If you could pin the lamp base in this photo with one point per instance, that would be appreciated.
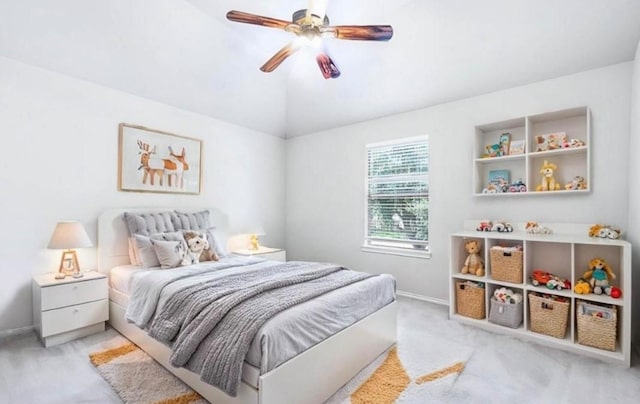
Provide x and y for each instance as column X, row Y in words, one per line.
column 77, row 274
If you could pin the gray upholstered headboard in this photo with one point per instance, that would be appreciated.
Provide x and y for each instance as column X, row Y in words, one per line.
column 113, row 245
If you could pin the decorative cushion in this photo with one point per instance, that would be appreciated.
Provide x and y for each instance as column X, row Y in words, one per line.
column 133, row 252
column 150, row 223
column 191, row 221
column 169, row 253
column 146, row 252
column 216, row 243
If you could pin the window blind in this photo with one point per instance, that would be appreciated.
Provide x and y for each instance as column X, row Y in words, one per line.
column 398, row 194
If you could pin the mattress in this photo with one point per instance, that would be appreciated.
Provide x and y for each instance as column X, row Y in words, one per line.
column 294, row 330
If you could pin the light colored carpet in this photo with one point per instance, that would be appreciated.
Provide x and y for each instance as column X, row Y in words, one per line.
column 137, row 378
column 420, row 369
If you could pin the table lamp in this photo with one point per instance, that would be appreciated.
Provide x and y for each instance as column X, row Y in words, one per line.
column 67, row 236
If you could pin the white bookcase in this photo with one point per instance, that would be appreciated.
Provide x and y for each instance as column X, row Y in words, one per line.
column 566, row 253
column 571, row 162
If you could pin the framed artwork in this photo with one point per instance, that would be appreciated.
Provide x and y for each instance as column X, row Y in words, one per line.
column 151, row 160
column 517, row 147
column 505, row 143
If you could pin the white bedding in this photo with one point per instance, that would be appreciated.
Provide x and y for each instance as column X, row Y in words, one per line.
column 120, row 276
column 294, row 330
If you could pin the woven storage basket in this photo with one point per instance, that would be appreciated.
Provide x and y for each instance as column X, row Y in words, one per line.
column 548, row 316
column 506, row 266
column 507, row 314
column 597, row 332
column 470, row 301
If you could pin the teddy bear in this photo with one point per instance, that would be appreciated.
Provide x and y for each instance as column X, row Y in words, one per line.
column 548, row 181
column 582, row 287
column 598, row 276
column 474, row 264
column 198, row 249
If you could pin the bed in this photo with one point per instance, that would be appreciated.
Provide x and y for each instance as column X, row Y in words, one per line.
column 269, row 375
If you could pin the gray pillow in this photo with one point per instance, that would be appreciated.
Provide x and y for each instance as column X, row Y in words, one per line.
column 170, row 253
column 150, row 223
column 216, row 243
column 191, row 221
column 146, row 253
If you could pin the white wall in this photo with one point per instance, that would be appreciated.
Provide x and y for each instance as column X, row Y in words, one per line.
column 59, row 146
column 325, row 175
column 633, row 234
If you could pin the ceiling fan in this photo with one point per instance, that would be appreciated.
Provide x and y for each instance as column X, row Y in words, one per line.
column 311, row 25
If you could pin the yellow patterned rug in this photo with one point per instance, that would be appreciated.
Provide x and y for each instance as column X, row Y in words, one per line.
column 420, row 369
column 138, row 379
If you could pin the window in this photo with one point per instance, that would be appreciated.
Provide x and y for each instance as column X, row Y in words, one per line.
column 397, row 201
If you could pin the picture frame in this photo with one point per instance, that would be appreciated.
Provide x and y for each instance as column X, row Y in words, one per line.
column 151, row 160
column 505, row 143
column 517, row 147
column 499, row 177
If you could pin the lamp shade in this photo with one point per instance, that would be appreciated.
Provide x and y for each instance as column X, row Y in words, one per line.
column 68, row 235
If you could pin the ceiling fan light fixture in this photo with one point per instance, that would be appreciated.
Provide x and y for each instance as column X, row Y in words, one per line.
column 310, row 25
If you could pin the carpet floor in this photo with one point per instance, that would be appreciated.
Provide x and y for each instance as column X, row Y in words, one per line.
column 502, row 369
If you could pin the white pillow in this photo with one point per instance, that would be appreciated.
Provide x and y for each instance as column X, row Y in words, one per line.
column 216, row 243
column 169, row 253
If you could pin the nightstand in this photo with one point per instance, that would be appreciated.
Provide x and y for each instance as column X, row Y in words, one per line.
column 273, row 254
column 69, row 308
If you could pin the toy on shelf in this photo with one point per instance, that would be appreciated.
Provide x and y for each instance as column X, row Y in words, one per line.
column 539, row 277
column 576, row 183
column 535, row 228
column 474, row 264
column 598, row 276
column 616, row 293
column 517, row 186
column 604, row 231
column 492, row 189
column 582, row 287
column 505, row 295
column 548, row 180
column 502, row 227
column 485, row 225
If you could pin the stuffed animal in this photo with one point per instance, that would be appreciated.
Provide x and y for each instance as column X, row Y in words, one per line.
column 198, row 249
column 598, row 276
column 576, row 183
column 604, row 231
column 474, row 264
column 535, row 228
column 582, row 287
column 548, row 180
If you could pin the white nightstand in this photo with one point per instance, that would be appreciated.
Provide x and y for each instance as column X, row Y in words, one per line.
column 69, row 308
column 273, row 254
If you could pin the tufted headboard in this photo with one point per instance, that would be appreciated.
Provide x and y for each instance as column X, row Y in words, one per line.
column 113, row 244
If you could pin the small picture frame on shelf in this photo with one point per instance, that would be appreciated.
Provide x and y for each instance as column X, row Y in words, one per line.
column 499, row 177
column 551, row 141
column 504, row 142
column 517, row 147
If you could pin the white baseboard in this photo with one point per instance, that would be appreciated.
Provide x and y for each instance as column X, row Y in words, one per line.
column 16, row 331
column 423, row 298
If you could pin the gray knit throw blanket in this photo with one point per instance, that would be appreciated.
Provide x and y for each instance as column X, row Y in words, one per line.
column 211, row 324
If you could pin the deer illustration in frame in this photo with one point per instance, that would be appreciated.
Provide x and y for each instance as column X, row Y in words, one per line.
column 151, row 160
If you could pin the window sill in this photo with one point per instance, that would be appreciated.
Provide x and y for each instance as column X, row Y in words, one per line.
column 424, row 254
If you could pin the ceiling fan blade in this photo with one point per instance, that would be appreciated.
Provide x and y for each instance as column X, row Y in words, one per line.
column 327, row 67
column 318, row 8
column 279, row 57
column 240, row 16
column 359, row 32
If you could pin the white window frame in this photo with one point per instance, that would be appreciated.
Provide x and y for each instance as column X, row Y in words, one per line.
column 382, row 249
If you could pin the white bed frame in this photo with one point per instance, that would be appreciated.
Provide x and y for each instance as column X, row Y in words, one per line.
column 310, row 377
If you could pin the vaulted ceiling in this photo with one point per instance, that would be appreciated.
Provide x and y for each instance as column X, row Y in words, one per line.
column 185, row 53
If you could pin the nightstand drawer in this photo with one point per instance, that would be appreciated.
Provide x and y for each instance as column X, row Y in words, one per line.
column 69, row 294
column 74, row 317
